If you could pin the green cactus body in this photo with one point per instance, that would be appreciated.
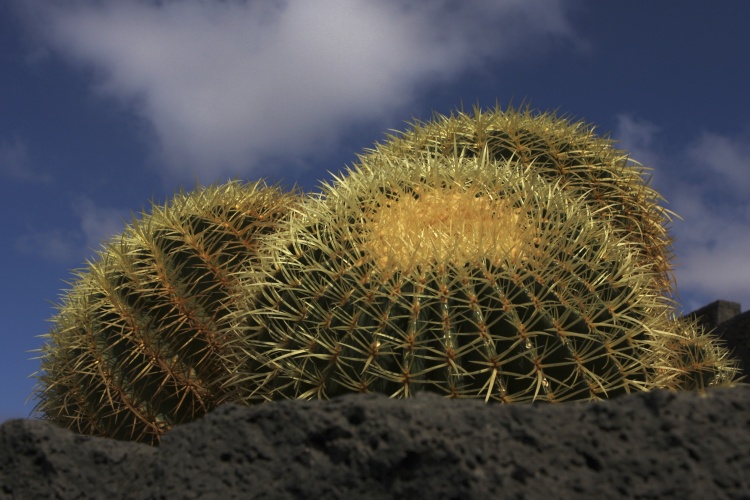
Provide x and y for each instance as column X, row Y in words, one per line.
column 614, row 187
column 461, row 276
column 136, row 347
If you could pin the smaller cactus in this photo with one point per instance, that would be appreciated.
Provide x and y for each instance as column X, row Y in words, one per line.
column 688, row 358
column 136, row 346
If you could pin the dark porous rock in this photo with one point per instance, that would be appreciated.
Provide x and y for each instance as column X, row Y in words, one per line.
column 648, row 445
column 40, row 460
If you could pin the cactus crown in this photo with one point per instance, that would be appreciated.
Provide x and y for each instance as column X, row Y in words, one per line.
column 417, row 229
column 615, row 187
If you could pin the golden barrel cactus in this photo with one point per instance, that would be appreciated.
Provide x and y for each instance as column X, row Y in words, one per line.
column 504, row 256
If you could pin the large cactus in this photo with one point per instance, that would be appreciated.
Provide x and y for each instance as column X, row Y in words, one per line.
column 458, row 275
column 136, row 347
column 503, row 255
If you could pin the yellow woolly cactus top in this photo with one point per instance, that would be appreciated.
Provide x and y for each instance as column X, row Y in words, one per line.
column 616, row 188
column 450, row 224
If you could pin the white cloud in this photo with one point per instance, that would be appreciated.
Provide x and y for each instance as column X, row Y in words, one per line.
column 96, row 225
column 54, row 245
column 725, row 159
column 707, row 183
column 15, row 163
column 636, row 136
column 227, row 84
column 99, row 224
column 716, row 232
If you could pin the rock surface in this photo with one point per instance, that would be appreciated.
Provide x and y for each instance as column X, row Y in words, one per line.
column 649, row 445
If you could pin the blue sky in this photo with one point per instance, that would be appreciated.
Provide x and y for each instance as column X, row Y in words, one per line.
column 106, row 105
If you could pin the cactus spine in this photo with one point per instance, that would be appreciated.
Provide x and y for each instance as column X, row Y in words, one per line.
column 136, row 347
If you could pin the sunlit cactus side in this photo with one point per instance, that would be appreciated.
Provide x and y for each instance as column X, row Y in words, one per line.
column 460, row 276
column 616, row 189
column 137, row 343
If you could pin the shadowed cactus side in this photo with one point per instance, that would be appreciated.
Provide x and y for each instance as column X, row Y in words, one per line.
column 136, row 345
column 458, row 275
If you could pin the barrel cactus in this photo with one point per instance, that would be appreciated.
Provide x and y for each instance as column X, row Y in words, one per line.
column 136, row 346
column 507, row 258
